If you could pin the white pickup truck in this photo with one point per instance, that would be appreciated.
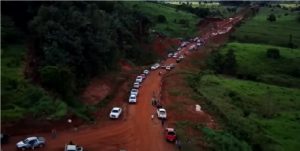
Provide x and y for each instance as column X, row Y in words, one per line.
column 73, row 148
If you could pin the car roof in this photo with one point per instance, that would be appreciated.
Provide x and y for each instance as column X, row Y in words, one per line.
column 170, row 129
column 132, row 95
column 134, row 89
column 116, row 108
column 31, row 138
column 162, row 109
column 71, row 147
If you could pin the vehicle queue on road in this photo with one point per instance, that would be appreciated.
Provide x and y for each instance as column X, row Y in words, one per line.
column 161, row 113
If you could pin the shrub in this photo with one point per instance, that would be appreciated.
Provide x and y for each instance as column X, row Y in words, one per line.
column 273, row 53
column 215, row 62
column 59, row 80
column 223, row 141
column 271, row 18
column 161, row 19
column 230, row 64
column 184, row 22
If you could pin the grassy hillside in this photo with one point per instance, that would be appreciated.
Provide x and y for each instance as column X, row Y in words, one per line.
column 259, row 30
column 172, row 27
column 252, row 60
column 258, row 113
column 20, row 98
column 265, row 115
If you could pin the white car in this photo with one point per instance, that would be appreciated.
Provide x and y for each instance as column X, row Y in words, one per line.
column 172, row 65
column 134, row 92
column 178, row 49
column 155, row 66
column 170, row 55
column 161, row 113
column 139, row 79
column 175, row 55
column 168, row 67
column 136, row 85
column 183, row 44
column 132, row 99
column 73, row 148
column 31, row 142
column 181, row 57
column 146, row 72
column 115, row 112
column 192, row 47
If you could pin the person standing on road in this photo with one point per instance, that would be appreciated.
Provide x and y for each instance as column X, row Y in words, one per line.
column 53, row 132
column 152, row 117
column 178, row 144
column 162, row 122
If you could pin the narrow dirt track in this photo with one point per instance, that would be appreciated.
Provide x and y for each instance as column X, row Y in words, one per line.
column 134, row 131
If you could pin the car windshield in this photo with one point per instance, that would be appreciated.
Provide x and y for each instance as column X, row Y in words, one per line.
column 115, row 111
column 132, row 97
column 171, row 133
column 162, row 112
column 134, row 90
column 25, row 141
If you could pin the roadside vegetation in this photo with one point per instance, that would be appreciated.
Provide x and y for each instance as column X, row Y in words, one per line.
column 168, row 20
column 51, row 53
column 20, row 97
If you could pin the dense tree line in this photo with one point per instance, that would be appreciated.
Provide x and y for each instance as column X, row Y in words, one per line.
column 67, row 43
column 74, row 41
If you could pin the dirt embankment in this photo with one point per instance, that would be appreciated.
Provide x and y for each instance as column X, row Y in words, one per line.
column 161, row 45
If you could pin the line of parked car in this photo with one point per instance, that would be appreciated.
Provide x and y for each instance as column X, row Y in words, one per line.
column 117, row 111
column 170, row 133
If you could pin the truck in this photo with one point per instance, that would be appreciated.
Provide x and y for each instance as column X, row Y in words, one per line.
column 72, row 147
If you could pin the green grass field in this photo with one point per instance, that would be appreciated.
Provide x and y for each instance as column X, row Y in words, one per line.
column 252, row 60
column 170, row 28
column 266, row 112
column 259, row 30
column 251, row 107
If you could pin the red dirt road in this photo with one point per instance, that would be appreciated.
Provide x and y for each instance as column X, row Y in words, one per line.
column 134, row 131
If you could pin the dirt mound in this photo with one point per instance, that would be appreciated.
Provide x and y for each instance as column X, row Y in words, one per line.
column 125, row 65
column 162, row 45
column 97, row 90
